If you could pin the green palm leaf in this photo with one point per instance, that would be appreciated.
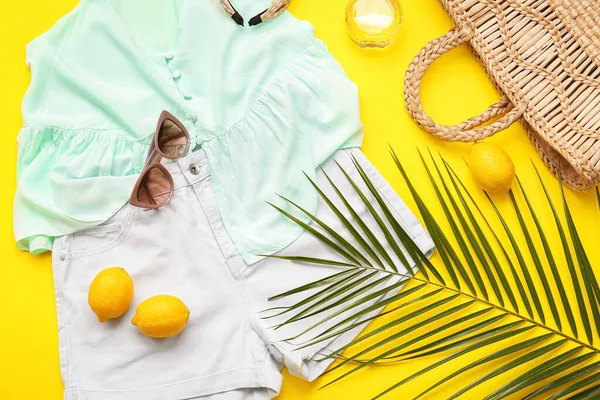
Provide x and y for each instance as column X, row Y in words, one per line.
column 363, row 243
column 338, row 282
column 318, row 235
column 459, row 238
column 443, row 246
column 573, row 376
column 517, row 250
column 589, row 279
column 536, row 260
column 507, row 258
column 552, row 263
column 415, row 253
column 472, row 241
column 512, row 349
column 510, row 365
column 486, row 246
column 540, row 372
column 352, row 294
column 580, row 384
column 357, row 303
column 343, row 326
column 583, row 310
column 396, row 322
column 420, row 351
column 390, row 238
column 442, row 328
column 481, row 344
column 364, row 227
column 338, row 238
column 449, row 321
column 351, row 285
column 588, row 394
column 405, row 331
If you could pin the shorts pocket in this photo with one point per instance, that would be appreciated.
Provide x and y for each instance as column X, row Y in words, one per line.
column 103, row 237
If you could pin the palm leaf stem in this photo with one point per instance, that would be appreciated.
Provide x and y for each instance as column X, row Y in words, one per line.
column 495, row 306
column 508, row 311
column 358, row 261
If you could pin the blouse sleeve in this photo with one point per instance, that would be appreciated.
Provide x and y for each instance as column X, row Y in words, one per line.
column 75, row 167
column 53, row 162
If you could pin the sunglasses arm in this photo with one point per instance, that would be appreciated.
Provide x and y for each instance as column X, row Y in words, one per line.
column 151, row 154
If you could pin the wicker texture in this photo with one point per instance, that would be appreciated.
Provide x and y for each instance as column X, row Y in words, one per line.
column 583, row 18
column 544, row 56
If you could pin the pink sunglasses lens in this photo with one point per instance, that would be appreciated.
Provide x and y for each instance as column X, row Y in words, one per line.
column 155, row 187
column 172, row 140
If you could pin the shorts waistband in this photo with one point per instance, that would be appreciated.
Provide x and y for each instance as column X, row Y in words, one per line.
column 190, row 169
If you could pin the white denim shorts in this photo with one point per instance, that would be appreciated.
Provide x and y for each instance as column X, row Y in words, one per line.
column 227, row 351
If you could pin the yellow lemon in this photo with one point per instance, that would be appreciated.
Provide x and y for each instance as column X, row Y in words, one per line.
column 161, row 316
column 491, row 167
column 110, row 293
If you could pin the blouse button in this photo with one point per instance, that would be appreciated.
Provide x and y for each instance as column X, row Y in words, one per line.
column 169, row 56
column 191, row 117
column 176, row 74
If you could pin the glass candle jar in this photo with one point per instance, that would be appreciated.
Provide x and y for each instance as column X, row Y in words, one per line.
column 373, row 23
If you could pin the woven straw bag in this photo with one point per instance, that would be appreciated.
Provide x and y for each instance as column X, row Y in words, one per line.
column 544, row 57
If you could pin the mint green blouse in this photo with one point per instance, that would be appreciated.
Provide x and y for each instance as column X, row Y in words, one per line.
column 266, row 103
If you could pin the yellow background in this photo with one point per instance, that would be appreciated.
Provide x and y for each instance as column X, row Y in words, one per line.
column 455, row 88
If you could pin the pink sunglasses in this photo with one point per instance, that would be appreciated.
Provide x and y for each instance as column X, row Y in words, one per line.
column 154, row 188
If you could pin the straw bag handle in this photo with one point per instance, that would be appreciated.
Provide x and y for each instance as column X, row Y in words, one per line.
column 467, row 131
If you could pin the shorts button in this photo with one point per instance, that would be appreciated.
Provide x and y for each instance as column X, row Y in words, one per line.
column 194, row 168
